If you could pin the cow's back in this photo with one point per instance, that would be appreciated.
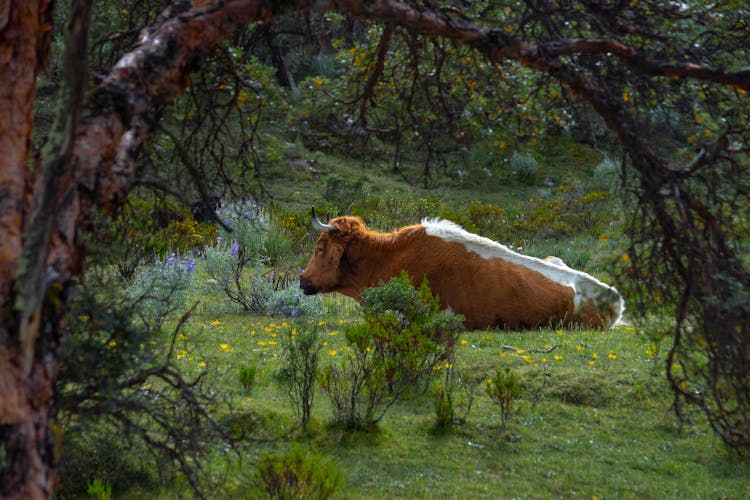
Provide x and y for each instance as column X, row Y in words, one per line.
column 490, row 292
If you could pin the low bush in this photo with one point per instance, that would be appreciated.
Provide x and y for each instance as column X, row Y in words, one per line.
column 237, row 261
column 301, row 354
column 524, row 168
column 297, row 474
column 404, row 339
column 159, row 290
column 292, row 303
column 504, row 389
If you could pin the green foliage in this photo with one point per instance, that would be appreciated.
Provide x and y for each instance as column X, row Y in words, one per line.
column 247, row 376
column 121, row 376
column 524, row 168
column 237, row 261
column 299, row 473
column 504, row 389
column 301, row 354
column 292, row 303
column 404, row 339
column 100, row 490
column 453, row 398
column 342, row 192
column 607, row 175
column 159, row 289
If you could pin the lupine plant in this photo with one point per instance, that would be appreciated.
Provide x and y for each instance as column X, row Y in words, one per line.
column 159, row 290
column 236, row 262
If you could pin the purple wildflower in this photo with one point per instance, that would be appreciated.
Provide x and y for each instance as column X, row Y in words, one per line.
column 235, row 250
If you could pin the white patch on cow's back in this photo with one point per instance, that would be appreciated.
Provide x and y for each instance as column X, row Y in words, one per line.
column 586, row 287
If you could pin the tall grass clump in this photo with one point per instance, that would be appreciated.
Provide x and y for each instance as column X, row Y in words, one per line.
column 404, row 339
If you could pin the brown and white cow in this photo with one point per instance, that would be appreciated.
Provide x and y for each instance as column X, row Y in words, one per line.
column 486, row 282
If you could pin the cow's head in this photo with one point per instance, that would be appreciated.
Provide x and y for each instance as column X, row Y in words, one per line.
column 324, row 271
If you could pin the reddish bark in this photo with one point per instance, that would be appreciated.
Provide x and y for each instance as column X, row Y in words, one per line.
column 24, row 41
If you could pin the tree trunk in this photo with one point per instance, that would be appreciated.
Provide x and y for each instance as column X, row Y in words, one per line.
column 27, row 461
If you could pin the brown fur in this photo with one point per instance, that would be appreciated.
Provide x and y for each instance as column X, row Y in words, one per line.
column 488, row 292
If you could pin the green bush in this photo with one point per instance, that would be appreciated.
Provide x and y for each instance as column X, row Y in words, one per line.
column 301, row 354
column 607, row 175
column 404, row 340
column 524, row 168
column 292, row 303
column 453, row 399
column 247, row 376
column 237, row 261
column 298, row 474
column 159, row 290
column 504, row 389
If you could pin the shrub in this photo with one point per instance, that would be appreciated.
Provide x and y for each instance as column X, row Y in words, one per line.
column 292, row 303
column 504, row 389
column 299, row 473
column 452, row 407
column 607, row 175
column 247, row 376
column 159, row 289
column 524, row 168
column 403, row 339
column 237, row 260
column 342, row 191
column 301, row 355
column 100, row 490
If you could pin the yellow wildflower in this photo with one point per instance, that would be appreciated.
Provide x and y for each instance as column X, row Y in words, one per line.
column 225, row 347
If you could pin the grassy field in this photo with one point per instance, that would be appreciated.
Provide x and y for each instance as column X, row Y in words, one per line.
column 595, row 419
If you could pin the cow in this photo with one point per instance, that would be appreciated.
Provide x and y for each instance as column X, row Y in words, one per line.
column 491, row 285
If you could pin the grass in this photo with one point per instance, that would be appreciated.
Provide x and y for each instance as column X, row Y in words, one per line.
column 595, row 419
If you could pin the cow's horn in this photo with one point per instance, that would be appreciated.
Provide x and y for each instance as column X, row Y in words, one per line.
column 324, row 228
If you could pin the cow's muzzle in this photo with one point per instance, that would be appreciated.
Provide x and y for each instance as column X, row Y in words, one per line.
column 307, row 287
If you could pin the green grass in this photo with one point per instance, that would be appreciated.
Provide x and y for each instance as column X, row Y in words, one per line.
column 595, row 419
column 596, row 416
